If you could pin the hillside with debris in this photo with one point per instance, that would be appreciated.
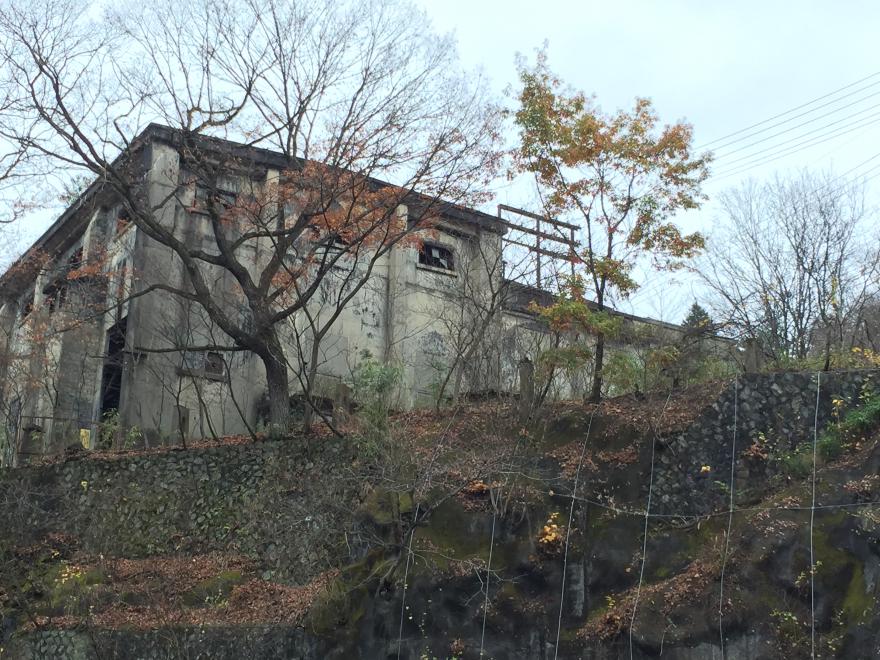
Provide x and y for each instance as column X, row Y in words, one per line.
column 738, row 519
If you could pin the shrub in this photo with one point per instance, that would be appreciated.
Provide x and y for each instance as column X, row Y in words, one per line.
column 797, row 464
column 830, row 446
column 374, row 384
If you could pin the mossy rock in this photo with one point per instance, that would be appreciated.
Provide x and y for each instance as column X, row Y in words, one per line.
column 346, row 599
column 213, row 591
column 71, row 591
column 384, row 507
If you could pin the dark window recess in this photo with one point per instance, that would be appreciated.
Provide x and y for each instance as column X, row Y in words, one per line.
column 436, row 256
column 224, row 199
column 123, row 220
column 56, row 297
column 337, row 242
column 111, row 376
column 75, row 261
column 27, row 308
column 208, row 364
column 215, row 365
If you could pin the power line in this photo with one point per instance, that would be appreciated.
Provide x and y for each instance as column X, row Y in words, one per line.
column 654, row 439
column 809, row 142
column 795, row 109
column 789, row 151
column 864, row 162
column 730, row 517
column 812, row 517
column 797, row 126
column 568, row 534
column 405, row 578
column 488, row 574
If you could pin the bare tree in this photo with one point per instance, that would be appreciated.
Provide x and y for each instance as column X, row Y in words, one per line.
column 346, row 95
column 794, row 263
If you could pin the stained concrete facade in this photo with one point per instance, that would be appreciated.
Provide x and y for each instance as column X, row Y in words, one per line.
column 91, row 354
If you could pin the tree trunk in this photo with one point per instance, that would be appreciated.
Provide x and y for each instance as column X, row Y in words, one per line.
column 596, row 391
column 279, row 395
column 309, row 412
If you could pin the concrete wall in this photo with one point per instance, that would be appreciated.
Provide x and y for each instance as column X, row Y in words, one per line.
column 404, row 315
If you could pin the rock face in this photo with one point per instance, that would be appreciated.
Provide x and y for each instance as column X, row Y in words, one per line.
column 619, row 584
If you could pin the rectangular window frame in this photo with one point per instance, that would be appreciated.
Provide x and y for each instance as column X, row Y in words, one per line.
column 434, row 262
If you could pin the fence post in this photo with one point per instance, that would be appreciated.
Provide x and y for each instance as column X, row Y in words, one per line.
column 754, row 357
column 341, row 403
column 526, row 389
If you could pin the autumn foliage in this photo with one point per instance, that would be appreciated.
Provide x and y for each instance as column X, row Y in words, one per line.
column 620, row 176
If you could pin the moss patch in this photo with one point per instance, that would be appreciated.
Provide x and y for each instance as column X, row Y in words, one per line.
column 213, row 591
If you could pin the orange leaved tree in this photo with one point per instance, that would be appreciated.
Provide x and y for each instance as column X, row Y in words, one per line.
column 621, row 177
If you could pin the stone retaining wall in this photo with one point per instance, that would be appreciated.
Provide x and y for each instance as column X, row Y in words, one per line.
column 779, row 406
column 268, row 501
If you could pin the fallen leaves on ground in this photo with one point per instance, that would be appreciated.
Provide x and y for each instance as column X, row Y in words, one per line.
column 158, row 592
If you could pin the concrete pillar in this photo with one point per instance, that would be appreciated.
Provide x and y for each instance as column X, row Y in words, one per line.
column 753, row 359
column 526, row 389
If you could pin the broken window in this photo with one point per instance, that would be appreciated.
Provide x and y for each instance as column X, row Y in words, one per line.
column 223, row 199
column 215, row 365
column 436, row 256
column 205, row 364
column 123, row 221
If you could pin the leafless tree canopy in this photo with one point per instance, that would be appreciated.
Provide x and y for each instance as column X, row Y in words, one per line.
column 794, row 263
column 350, row 94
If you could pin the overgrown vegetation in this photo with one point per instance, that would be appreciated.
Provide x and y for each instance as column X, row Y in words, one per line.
column 374, row 383
column 852, row 423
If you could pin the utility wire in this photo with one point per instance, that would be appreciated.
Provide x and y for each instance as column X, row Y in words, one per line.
column 405, row 577
column 757, row 157
column 745, row 167
column 812, row 517
column 795, row 109
column 654, row 439
column 729, row 517
column 568, row 535
column 488, row 573
column 722, row 157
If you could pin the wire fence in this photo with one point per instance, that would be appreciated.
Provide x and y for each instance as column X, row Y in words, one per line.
column 36, row 435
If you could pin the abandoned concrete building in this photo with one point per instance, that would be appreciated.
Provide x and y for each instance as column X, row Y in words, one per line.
column 81, row 352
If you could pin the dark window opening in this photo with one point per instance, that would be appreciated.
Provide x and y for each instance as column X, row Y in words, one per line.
column 436, row 256
column 27, row 308
column 123, row 220
column 337, row 241
column 215, row 365
column 111, row 376
column 56, row 297
column 224, row 199
column 74, row 262
column 204, row 364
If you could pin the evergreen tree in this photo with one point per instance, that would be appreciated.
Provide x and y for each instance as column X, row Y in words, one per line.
column 698, row 318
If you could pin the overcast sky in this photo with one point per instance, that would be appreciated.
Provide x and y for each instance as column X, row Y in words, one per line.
column 722, row 66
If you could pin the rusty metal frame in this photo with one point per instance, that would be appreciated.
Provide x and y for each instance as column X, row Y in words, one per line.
column 558, row 239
